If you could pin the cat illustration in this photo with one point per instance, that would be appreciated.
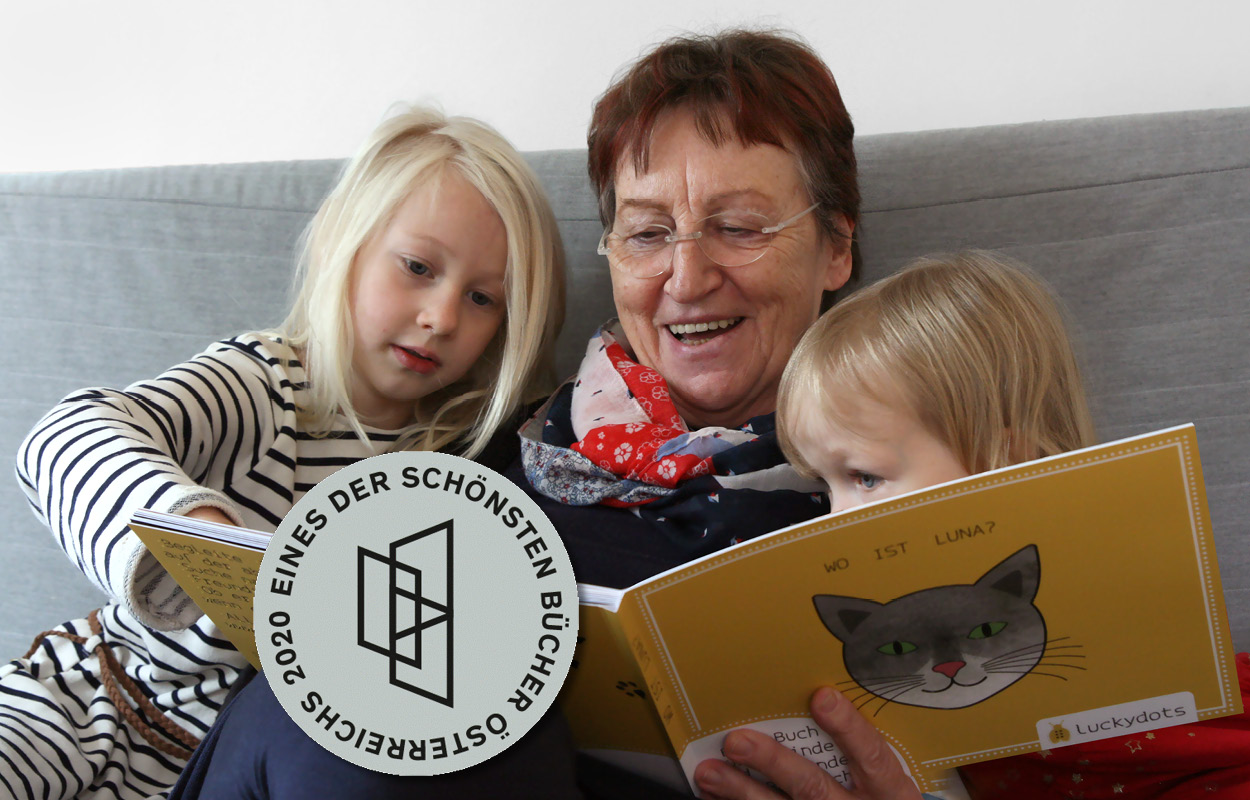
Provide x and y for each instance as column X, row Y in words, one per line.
column 948, row 646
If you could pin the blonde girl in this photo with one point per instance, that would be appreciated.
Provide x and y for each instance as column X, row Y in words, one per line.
column 430, row 292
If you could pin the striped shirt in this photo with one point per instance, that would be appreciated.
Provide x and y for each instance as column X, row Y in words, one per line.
column 219, row 430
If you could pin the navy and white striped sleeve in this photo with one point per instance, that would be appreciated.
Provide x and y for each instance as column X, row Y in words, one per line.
column 170, row 444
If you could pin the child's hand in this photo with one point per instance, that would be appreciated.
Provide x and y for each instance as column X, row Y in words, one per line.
column 209, row 514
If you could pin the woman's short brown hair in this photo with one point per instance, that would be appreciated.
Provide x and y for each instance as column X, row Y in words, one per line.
column 766, row 87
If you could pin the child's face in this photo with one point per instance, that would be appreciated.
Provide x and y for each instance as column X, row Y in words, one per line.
column 872, row 451
column 426, row 296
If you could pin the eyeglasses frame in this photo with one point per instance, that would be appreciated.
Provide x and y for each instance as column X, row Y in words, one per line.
column 674, row 238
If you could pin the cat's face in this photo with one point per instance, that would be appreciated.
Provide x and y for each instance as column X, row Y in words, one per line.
column 948, row 646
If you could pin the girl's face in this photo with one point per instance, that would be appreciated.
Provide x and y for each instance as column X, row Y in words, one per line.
column 426, row 297
column 872, row 451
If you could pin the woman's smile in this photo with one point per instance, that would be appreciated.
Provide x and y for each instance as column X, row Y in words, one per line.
column 719, row 335
column 694, row 334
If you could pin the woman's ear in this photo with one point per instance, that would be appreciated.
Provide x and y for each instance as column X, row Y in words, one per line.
column 838, row 271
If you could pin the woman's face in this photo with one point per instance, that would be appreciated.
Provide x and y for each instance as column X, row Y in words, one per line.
column 730, row 373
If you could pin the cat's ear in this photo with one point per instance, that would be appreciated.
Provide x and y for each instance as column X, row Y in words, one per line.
column 842, row 615
column 1019, row 574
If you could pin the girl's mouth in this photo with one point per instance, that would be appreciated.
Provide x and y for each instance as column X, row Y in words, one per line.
column 420, row 361
column 697, row 333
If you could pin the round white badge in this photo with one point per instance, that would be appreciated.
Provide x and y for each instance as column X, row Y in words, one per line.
column 416, row 613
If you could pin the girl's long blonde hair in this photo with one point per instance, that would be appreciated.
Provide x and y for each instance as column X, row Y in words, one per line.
column 404, row 152
column 976, row 345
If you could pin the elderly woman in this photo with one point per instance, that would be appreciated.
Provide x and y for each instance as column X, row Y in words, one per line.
column 727, row 186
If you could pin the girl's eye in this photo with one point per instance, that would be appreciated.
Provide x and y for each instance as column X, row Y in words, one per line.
column 866, row 479
column 481, row 299
column 416, row 267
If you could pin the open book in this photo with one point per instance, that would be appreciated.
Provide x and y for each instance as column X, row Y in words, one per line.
column 1068, row 599
column 215, row 564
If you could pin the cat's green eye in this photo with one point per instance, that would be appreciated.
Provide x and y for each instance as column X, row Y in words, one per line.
column 987, row 629
column 896, row 648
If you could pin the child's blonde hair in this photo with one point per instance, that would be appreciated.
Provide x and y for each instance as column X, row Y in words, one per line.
column 407, row 151
column 975, row 344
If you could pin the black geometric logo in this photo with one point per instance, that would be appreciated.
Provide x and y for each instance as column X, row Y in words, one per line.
column 404, row 610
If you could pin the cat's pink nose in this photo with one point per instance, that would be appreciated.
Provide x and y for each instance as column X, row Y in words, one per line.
column 949, row 668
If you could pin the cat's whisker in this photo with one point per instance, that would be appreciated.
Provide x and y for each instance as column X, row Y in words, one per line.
column 1047, row 674
column 1021, row 653
column 880, row 691
column 871, row 697
column 1030, row 647
column 875, row 684
column 890, row 699
column 1041, row 650
column 1033, row 670
column 1015, row 656
column 1063, row 664
column 1029, row 664
column 1010, row 665
column 891, row 677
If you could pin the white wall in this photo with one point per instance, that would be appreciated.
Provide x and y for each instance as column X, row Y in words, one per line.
column 138, row 82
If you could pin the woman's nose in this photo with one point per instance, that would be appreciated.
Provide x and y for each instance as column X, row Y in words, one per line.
column 693, row 275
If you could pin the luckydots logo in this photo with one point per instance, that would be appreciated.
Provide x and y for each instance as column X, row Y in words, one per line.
column 416, row 613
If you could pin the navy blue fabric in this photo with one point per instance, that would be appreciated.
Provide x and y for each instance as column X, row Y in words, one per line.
column 256, row 752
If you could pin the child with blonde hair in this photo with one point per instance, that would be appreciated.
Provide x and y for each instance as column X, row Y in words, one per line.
column 430, row 293
column 953, row 366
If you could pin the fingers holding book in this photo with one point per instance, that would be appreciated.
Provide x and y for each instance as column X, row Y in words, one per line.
column 876, row 774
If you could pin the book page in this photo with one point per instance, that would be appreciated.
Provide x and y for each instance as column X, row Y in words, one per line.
column 1019, row 609
column 220, row 578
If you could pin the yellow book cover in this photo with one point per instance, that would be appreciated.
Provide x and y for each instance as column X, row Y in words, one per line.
column 1068, row 599
column 215, row 564
column 621, row 724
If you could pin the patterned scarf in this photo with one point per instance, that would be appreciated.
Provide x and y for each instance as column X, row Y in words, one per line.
column 612, row 436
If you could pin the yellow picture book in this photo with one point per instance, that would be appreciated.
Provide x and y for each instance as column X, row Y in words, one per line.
column 1068, row 599
column 215, row 564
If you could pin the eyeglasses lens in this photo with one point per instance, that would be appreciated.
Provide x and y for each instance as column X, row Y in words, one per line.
column 730, row 239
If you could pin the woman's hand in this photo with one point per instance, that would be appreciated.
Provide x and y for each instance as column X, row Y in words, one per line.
column 876, row 772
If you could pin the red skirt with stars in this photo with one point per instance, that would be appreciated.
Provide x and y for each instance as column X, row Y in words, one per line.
column 1208, row 759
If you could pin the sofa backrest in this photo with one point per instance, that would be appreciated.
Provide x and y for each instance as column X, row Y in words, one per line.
column 1142, row 223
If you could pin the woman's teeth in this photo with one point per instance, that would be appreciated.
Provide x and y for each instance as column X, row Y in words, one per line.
column 685, row 330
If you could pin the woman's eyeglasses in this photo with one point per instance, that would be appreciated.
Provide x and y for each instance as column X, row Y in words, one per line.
column 730, row 239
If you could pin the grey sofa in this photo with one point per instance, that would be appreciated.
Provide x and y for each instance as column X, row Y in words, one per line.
column 1141, row 222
